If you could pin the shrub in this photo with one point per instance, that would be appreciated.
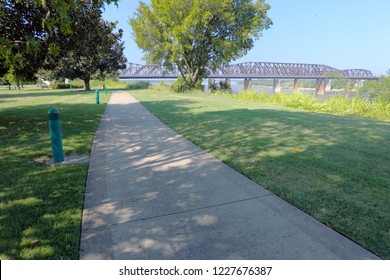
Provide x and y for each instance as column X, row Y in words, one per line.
column 220, row 88
column 180, row 85
column 161, row 86
column 137, row 85
column 377, row 89
column 65, row 86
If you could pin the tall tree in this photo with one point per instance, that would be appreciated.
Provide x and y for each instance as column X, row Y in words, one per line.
column 26, row 32
column 92, row 49
column 197, row 36
column 23, row 42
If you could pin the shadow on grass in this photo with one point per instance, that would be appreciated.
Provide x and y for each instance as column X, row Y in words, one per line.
column 41, row 206
column 335, row 168
column 48, row 93
column 5, row 96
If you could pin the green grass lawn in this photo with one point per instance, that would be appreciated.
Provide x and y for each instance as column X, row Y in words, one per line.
column 336, row 168
column 40, row 206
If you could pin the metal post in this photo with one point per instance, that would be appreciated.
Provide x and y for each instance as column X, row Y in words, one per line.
column 105, row 89
column 55, row 135
column 97, row 97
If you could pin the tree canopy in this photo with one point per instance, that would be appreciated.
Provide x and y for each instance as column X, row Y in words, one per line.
column 92, row 49
column 378, row 89
column 24, row 42
column 29, row 29
column 197, row 36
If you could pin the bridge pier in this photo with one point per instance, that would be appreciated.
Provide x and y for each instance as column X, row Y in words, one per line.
column 228, row 82
column 211, row 83
column 358, row 83
column 296, row 86
column 277, row 86
column 320, row 87
column 328, row 85
column 247, row 84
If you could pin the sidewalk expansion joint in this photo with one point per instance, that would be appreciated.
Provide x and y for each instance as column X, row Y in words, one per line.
column 179, row 212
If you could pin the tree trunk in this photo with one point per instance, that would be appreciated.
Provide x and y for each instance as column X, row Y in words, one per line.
column 86, row 83
column 18, row 83
column 193, row 77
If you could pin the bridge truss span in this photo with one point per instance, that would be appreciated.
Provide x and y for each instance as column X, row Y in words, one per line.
column 138, row 71
column 273, row 70
column 252, row 70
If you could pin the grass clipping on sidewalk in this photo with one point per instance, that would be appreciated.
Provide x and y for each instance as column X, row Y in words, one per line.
column 41, row 206
column 336, row 168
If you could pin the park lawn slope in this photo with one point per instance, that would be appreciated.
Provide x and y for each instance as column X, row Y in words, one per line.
column 336, row 168
column 41, row 206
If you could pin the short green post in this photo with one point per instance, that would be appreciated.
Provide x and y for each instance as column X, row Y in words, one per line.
column 97, row 97
column 55, row 135
column 105, row 89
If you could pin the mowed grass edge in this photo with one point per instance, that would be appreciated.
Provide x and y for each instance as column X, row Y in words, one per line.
column 336, row 168
column 41, row 206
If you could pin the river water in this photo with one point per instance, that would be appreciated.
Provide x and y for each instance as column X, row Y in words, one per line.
column 238, row 87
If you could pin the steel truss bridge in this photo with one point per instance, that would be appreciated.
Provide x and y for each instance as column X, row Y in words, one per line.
column 252, row 70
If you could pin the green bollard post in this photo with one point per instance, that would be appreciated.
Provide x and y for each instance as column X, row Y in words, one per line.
column 97, row 97
column 105, row 90
column 55, row 135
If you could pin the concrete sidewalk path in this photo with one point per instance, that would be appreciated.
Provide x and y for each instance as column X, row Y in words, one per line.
column 151, row 194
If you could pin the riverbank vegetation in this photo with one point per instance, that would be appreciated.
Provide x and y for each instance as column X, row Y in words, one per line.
column 372, row 100
column 378, row 108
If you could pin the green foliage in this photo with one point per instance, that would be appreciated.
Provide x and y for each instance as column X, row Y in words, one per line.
column 377, row 89
column 41, row 206
column 222, row 87
column 180, row 85
column 340, row 104
column 137, row 85
column 161, row 86
column 29, row 32
column 93, row 49
column 65, row 86
column 116, row 84
column 22, row 47
column 197, row 35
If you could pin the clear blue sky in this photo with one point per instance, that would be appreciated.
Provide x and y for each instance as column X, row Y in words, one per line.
column 344, row 34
